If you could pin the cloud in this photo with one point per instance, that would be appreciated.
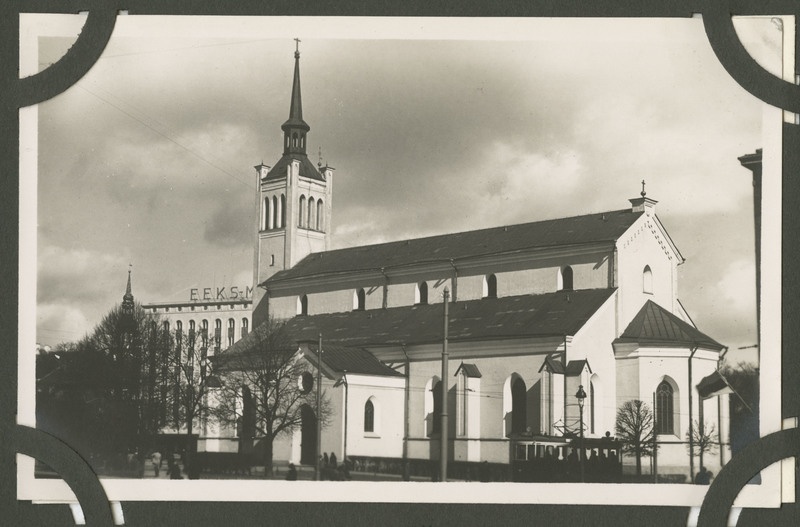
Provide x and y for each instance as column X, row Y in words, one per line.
column 78, row 275
column 230, row 224
column 737, row 287
column 61, row 322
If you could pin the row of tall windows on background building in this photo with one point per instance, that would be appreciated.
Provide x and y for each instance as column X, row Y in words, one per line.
column 218, row 331
column 312, row 214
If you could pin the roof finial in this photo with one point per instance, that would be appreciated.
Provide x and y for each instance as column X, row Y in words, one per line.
column 643, row 193
column 319, row 163
column 297, row 48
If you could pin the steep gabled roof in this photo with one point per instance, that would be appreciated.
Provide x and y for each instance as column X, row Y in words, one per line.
column 656, row 326
column 352, row 360
column 470, row 370
column 546, row 315
column 555, row 366
column 575, row 367
column 576, row 230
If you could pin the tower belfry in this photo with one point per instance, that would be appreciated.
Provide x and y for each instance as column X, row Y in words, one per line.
column 293, row 200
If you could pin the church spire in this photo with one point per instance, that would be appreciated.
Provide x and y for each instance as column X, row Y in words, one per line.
column 127, row 298
column 295, row 128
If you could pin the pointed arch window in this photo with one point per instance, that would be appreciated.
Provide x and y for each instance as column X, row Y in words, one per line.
column 301, row 219
column 461, row 403
column 275, row 213
column 360, row 300
column 421, row 293
column 665, row 405
column 490, row 286
column 311, row 210
column 518, row 406
column 320, row 215
column 565, row 278
column 369, row 416
column 647, row 280
column 265, row 215
column 302, row 305
column 437, row 408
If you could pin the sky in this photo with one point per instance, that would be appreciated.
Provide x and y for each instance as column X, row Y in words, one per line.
column 148, row 160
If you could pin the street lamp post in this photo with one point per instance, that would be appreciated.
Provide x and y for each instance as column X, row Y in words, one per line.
column 581, row 396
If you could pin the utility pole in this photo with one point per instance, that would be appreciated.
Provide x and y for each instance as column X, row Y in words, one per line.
column 319, row 401
column 444, row 387
column 655, row 440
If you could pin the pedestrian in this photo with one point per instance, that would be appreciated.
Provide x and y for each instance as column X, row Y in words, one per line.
column 292, row 474
column 175, row 472
column 325, row 459
column 703, row 477
column 333, row 460
column 155, row 459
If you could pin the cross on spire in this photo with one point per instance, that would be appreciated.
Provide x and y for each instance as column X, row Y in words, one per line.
column 297, row 48
column 643, row 193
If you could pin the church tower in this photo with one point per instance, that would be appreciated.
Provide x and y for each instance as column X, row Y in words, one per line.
column 128, row 308
column 293, row 200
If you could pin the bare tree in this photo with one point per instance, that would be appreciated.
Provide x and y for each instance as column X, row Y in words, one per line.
column 634, row 428
column 106, row 393
column 265, row 383
column 135, row 349
column 704, row 439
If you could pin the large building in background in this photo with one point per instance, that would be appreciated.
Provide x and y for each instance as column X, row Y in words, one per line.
column 536, row 311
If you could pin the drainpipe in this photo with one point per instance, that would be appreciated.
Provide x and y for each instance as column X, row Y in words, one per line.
column 445, row 380
column 691, row 425
column 346, row 390
column 317, row 472
column 406, row 475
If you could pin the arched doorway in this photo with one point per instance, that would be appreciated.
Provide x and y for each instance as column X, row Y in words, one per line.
column 308, row 436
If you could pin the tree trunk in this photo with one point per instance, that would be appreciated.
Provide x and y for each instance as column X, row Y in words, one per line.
column 268, row 457
column 638, row 460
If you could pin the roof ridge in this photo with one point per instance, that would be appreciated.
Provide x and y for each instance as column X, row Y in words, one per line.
column 484, row 229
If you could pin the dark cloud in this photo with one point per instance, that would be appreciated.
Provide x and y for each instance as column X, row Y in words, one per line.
column 150, row 158
column 231, row 224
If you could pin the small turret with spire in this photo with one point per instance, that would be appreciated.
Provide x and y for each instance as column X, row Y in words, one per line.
column 127, row 299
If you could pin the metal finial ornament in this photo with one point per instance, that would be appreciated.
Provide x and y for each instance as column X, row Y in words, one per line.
column 297, row 48
column 319, row 163
column 643, row 192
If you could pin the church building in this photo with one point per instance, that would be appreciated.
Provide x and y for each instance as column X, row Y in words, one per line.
column 535, row 313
